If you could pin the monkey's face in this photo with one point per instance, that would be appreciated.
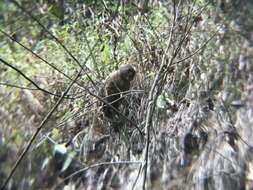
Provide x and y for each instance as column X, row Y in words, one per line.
column 127, row 72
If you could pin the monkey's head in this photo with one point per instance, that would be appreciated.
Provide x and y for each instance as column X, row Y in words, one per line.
column 127, row 72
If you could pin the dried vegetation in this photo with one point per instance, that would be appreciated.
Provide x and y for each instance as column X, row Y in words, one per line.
column 191, row 98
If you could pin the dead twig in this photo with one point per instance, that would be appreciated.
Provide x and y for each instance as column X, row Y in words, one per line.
column 152, row 99
column 31, row 81
column 45, row 120
column 56, row 39
column 97, row 165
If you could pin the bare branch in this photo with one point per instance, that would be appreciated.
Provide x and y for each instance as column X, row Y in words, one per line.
column 97, row 165
column 42, row 59
column 30, row 80
column 16, row 86
column 56, row 39
column 45, row 120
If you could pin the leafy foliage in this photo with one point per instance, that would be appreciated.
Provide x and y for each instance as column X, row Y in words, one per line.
column 192, row 92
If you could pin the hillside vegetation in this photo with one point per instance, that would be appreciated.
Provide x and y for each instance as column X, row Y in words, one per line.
column 186, row 122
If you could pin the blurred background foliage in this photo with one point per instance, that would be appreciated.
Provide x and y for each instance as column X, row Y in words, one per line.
column 110, row 33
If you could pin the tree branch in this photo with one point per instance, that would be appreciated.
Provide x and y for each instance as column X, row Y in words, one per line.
column 30, row 80
column 45, row 120
column 56, row 39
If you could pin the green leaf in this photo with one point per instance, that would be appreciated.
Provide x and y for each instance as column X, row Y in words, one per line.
column 55, row 133
column 105, row 57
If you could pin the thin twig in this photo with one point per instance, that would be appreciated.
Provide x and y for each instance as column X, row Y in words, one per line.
column 152, row 99
column 45, row 120
column 30, row 80
column 97, row 165
column 196, row 51
column 16, row 86
column 74, row 115
column 138, row 175
column 56, row 39
column 42, row 59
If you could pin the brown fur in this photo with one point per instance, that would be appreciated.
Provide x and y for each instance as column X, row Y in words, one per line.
column 117, row 82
